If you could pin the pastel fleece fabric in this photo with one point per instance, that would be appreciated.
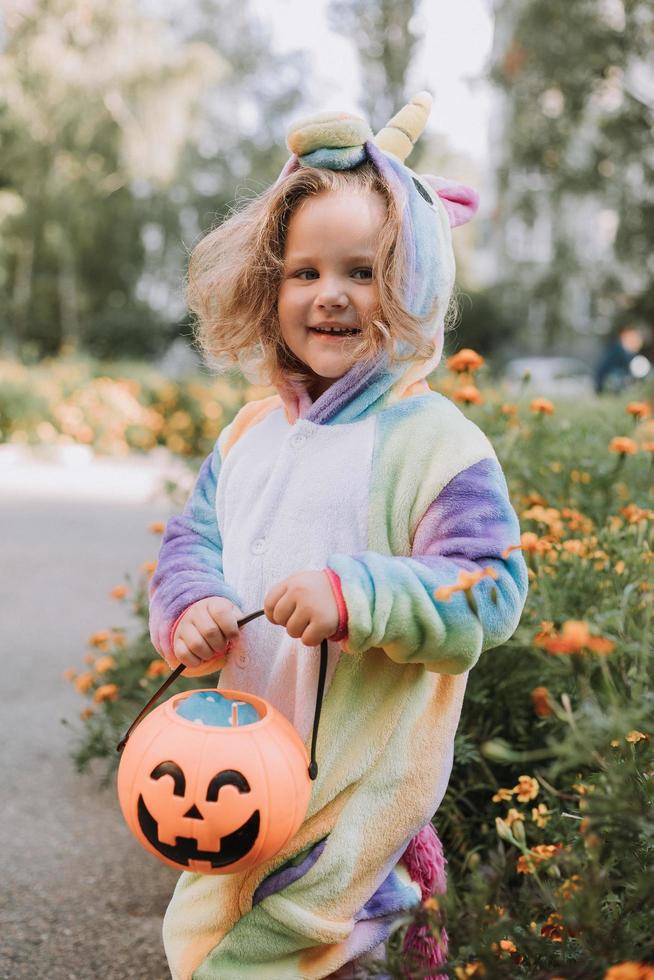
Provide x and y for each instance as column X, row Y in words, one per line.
column 386, row 483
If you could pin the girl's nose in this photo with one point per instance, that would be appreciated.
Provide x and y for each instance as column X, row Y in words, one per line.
column 331, row 296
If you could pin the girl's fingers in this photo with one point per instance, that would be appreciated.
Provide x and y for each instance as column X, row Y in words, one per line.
column 297, row 624
column 197, row 644
column 224, row 616
column 212, row 632
column 184, row 655
column 273, row 596
column 283, row 610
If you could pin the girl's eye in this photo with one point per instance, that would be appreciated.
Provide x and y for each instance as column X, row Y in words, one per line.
column 363, row 274
column 306, row 274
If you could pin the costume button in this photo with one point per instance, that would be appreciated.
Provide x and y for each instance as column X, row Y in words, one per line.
column 242, row 659
column 258, row 546
column 298, row 439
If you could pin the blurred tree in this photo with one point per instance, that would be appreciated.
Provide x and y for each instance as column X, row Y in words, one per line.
column 123, row 135
column 575, row 170
column 385, row 34
column 96, row 106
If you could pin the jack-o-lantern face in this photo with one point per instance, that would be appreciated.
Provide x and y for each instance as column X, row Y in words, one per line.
column 233, row 846
column 214, row 798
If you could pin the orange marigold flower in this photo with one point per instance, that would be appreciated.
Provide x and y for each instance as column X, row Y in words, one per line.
column 100, row 639
column 540, row 815
column 568, row 887
column 635, row 514
column 531, row 543
column 507, row 946
column 465, row 360
column 540, row 698
column 468, row 394
column 630, row 970
column 502, row 795
column 542, row 406
column 84, row 682
column 514, row 816
column 527, row 789
column 70, row 674
column 149, row 567
column 465, row 581
column 157, row 668
column 575, row 637
column 119, row 592
column 473, row 969
column 106, row 692
column 639, row 410
column 86, row 713
column 636, row 736
column 527, row 863
column 509, row 409
column 157, row 527
column 103, row 664
column 554, row 928
column 648, row 447
column 623, row 445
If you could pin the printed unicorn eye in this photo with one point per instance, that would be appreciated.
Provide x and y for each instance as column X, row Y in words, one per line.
column 423, row 193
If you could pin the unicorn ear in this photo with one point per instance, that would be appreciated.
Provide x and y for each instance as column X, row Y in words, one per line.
column 459, row 201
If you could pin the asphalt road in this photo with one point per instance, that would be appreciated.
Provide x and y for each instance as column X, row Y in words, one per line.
column 79, row 898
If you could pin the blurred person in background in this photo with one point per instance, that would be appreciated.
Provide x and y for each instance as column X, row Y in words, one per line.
column 613, row 371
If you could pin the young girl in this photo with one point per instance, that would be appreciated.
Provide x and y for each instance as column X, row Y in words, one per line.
column 339, row 505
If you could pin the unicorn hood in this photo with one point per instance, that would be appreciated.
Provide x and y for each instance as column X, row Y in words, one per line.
column 430, row 207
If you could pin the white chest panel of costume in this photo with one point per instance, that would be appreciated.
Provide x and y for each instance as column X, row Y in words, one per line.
column 287, row 498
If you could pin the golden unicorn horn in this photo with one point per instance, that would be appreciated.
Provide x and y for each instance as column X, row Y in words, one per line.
column 400, row 134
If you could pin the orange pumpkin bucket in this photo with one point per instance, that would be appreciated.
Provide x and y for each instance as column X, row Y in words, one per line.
column 216, row 781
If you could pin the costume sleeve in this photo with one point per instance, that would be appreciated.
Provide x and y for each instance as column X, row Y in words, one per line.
column 390, row 600
column 190, row 563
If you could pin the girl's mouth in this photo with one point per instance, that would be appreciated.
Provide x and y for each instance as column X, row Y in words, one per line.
column 335, row 333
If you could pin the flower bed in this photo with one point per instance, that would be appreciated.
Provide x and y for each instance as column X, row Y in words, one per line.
column 547, row 822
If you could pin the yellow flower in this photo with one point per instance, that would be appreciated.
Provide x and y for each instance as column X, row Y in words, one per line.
column 103, row 664
column 540, row 815
column 542, row 406
column 623, row 445
column 473, row 969
column 513, row 816
column 106, row 692
column 502, row 795
column 636, row 736
column 527, row 789
column 527, row 863
column 619, row 567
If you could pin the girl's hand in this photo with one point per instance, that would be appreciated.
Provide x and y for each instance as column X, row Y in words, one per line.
column 304, row 603
column 204, row 631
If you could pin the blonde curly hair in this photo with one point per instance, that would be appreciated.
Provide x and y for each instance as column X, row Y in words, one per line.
column 235, row 273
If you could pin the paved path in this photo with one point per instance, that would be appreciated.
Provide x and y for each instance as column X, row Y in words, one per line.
column 79, row 898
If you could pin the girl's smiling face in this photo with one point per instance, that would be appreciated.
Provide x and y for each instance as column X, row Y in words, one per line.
column 328, row 280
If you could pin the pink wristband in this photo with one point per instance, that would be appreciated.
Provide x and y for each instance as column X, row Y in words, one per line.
column 335, row 582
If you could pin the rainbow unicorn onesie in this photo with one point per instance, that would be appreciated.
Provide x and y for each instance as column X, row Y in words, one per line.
column 388, row 486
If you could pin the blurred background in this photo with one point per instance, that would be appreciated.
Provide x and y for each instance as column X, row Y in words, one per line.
column 128, row 129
